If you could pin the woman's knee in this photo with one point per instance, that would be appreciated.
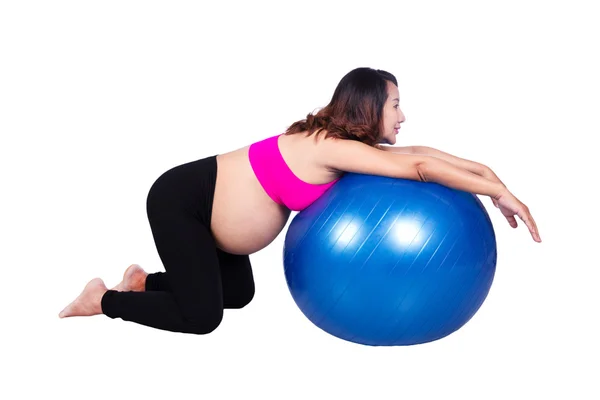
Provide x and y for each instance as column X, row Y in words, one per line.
column 241, row 300
column 204, row 323
column 162, row 193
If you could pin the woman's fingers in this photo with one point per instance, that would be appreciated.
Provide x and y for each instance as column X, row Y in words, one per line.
column 512, row 221
column 537, row 232
column 510, row 206
column 530, row 223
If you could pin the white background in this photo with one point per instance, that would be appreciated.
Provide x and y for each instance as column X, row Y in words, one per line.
column 97, row 99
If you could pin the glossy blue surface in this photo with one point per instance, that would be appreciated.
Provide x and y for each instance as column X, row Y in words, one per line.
column 383, row 261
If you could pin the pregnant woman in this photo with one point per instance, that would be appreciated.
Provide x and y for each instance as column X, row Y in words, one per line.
column 209, row 215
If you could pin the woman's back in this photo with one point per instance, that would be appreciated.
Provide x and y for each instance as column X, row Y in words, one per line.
column 245, row 218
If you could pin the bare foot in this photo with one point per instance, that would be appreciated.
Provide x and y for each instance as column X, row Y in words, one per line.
column 88, row 302
column 134, row 279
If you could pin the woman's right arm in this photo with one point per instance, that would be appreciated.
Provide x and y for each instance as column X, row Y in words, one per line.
column 357, row 157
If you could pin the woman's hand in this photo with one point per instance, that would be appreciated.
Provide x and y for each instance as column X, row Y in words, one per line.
column 510, row 206
column 490, row 175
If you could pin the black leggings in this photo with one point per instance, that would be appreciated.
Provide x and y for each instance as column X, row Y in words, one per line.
column 200, row 279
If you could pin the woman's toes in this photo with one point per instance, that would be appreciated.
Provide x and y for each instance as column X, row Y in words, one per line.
column 88, row 302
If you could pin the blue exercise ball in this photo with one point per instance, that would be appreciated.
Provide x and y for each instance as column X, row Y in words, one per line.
column 388, row 262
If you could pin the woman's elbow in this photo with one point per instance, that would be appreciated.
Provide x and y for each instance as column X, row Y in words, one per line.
column 421, row 171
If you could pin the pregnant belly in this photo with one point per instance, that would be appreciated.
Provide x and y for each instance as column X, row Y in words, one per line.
column 244, row 218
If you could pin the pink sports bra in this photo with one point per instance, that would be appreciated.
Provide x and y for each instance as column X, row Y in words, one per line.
column 278, row 180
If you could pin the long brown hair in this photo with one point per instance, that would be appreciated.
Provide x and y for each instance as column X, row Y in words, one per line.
column 355, row 110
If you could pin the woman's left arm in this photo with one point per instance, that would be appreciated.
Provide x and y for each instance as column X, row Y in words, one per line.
column 471, row 166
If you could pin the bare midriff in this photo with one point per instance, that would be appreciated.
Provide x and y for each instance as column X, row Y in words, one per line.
column 244, row 218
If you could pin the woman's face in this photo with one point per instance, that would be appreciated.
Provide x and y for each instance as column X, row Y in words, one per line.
column 392, row 115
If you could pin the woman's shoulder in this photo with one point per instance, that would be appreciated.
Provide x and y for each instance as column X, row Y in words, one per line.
column 347, row 155
column 315, row 143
